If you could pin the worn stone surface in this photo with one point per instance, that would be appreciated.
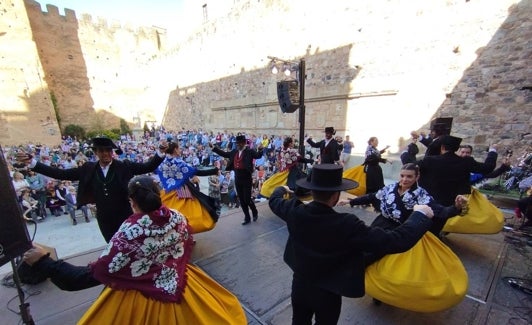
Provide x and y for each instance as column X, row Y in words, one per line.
column 378, row 68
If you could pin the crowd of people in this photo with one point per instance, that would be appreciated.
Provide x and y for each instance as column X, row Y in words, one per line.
column 98, row 177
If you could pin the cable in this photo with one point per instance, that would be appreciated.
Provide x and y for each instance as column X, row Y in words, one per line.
column 34, row 229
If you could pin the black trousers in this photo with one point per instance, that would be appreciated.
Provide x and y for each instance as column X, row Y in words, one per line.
column 309, row 300
column 243, row 186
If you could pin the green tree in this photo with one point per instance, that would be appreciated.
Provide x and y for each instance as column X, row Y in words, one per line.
column 75, row 130
column 124, row 127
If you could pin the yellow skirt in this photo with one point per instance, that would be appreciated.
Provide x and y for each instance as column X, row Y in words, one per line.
column 427, row 278
column 276, row 180
column 197, row 216
column 358, row 175
column 205, row 302
column 482, row 217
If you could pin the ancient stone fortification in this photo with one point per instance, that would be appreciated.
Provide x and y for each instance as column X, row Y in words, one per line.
column 374, row 68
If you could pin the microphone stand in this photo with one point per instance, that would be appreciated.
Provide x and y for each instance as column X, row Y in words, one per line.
column 24, row 306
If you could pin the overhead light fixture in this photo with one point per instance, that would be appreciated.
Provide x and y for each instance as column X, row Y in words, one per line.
column 273, row 65
column 286, row 69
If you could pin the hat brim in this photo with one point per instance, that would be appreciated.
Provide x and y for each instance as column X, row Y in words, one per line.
column 346, row 184
column 104, row 143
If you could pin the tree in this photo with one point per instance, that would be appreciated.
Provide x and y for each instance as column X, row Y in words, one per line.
column 124, row 127
column 74, row 130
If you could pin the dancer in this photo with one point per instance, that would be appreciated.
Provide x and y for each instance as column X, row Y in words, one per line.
column 146, row 271
column 181, row 194
column 288, row 170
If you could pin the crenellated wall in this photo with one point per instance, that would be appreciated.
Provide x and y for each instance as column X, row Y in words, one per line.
column 96, row 69
column 26, row 110
column 379, row 68
column 373, row 68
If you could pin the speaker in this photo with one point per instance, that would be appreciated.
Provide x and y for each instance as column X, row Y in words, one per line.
column 288, row 95
column 14, row 237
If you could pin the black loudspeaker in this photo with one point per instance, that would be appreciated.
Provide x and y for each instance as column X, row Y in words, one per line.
column 14, row 237
column 288, row 95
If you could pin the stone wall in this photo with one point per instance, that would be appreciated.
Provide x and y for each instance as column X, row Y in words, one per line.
column 374, row 68
column 96, row 69
column 26, row 110
column 379, row 68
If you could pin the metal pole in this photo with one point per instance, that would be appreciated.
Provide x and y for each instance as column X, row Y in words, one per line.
column 24, row 307
column 302, row 107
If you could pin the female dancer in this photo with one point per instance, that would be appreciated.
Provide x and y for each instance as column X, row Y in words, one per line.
column 146, row 272
column 180, row 194
column 429, row 277
column 288, row 171
column 374, row 177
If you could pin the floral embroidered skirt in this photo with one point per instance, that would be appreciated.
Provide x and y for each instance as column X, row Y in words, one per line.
column 205, row 302
column 197, row 215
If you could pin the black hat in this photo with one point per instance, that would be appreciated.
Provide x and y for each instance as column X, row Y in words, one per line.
column 103, row 142
column 240, row 138
column 441, row 125
column 330, row 129
column 327, row 177
column 451, row 143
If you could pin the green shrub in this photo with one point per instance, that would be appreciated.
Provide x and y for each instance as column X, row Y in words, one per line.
column 106, row 133
column 75, row 130
column 124, row 127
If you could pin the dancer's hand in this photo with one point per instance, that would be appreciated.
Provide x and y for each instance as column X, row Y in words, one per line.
column 34, row 254
column 425, row 209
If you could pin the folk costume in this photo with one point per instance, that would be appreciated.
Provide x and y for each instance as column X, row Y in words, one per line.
column 325, row 249
column 241, row 161
column 179, row 194
column 329, row 148
column 447, row 175
column 374, row 176
column 109, row 192
column 288, row 171
column 428, row 277
column 147, row 276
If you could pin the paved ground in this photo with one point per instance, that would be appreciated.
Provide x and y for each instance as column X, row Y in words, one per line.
column 248, row 261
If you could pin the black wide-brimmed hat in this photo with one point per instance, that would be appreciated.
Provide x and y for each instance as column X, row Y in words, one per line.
column 240, row 138
column 326, row 177
column 103, row 142
column 451, row 143
column 330, row 129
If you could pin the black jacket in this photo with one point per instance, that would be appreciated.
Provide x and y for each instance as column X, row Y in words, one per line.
column 445, row 176
column 326, row 248
column 247, row 157
column 125, row 170
column 330, row 153
column 113, row 209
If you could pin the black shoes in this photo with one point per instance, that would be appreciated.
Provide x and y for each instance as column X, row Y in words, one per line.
column 87, row 220
column 74, row 222
column 255, row 217
column 245, row 222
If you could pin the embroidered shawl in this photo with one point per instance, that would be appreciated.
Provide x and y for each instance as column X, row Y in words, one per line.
column 398, row 208
column 288, row 157
column 173, row 172
column 148, row 253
